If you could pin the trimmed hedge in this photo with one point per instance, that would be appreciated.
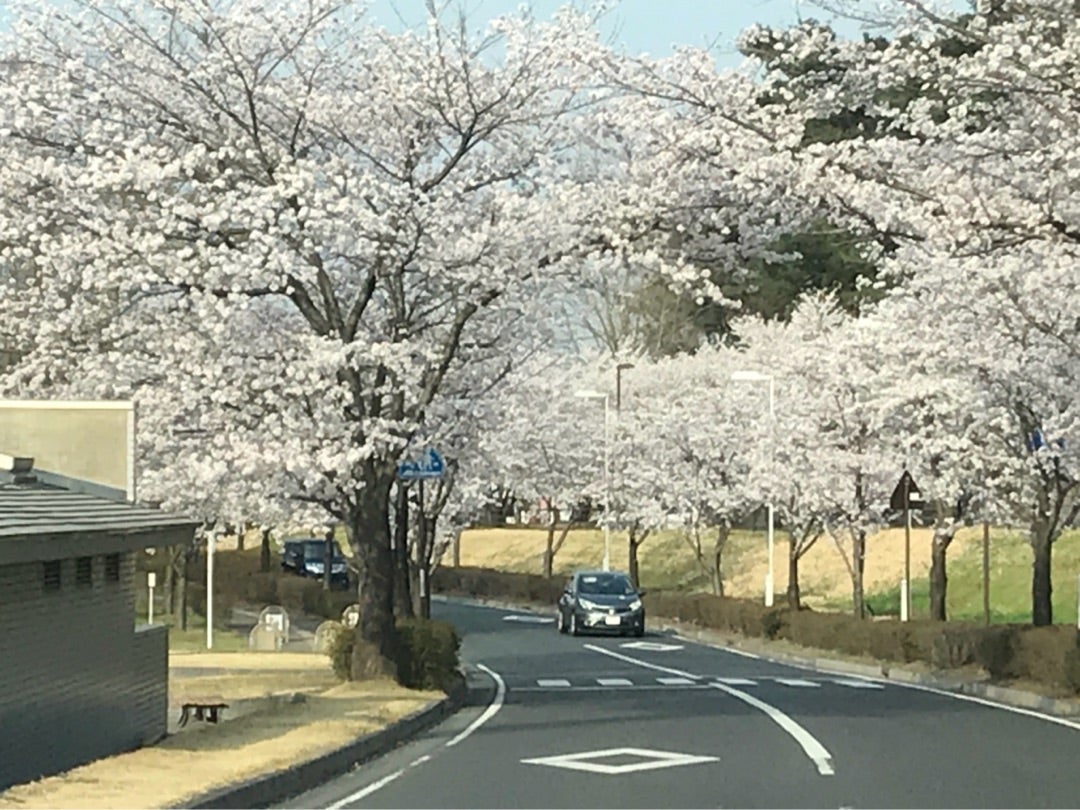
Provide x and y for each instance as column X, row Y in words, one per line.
column 295, row 594
column 1048, row 655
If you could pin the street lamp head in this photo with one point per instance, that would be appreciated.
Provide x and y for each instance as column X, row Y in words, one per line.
column 624, row 366
column 750, row 376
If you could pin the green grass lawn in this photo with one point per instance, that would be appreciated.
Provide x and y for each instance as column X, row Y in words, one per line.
column 1010, row 583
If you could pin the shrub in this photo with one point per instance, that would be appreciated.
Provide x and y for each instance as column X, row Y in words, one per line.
column 428, row 654
column 339, row 650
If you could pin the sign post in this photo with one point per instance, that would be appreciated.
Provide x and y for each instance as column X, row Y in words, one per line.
column 901, row 501
column 430, row 467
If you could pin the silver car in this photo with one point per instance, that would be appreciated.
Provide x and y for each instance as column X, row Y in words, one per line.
column 601, row 602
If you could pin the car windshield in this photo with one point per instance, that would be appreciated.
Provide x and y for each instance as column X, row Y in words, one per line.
column 605, row 584
column 316, row 550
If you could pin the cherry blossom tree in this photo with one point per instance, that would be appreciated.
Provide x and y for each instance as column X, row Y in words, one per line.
column 307, row 225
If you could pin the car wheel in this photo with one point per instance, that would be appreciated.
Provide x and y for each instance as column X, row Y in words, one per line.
column 574, row 629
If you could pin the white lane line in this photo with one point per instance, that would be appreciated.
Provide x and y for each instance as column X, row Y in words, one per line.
column 813, row 749
column 1050, row 718
column 645, row 664
column 614, row 682
column 674, row 681
column 1061, row 721
column 855, row 683
column 737, row 681
column 489, row 712
column 549, row 682
column 797, row 682
column 637, row 688
column 355, row 797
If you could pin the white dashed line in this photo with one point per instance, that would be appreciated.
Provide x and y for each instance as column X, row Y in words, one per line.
column 549, row 682
column 614, row 682
column 796, row 682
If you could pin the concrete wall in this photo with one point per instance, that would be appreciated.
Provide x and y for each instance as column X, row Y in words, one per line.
column 77, row 681
column 91, row 441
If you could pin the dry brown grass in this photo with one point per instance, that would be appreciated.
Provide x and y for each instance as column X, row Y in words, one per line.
column 189, row 764
column 823, row 574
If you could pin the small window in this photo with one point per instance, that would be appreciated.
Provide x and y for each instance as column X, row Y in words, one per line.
column 84, row 571
column 51, row 575
column 112, row 568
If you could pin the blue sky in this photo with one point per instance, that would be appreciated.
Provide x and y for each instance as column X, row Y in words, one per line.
column 641, row 26
column 644, row 26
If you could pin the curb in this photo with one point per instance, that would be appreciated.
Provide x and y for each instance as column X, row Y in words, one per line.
column 890, row 672
column 267, row 789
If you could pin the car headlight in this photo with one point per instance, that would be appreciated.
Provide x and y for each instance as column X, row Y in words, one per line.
column 587, row 605
column 635, row 605
column 315, row 568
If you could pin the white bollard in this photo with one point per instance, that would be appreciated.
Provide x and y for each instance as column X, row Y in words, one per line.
column 151, row 581
column 768, row 590
column 1078, row 602
column 904, row 600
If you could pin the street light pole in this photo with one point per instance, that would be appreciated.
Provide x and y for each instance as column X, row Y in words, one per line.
column 607, row 485
column 607, row 471
column 757, row 376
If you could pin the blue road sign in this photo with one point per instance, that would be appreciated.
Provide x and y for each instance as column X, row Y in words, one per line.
column 430, row 466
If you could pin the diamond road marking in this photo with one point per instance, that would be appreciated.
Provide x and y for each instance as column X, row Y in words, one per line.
column 856, row 684
column 675, row 681
column 552, row 682
column 529, row 619
column 651, row 646
column 614, row 682
column 796, row 682
column 737, row 681
column 650, row 760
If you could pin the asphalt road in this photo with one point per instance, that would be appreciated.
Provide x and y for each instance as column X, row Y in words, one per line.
column 663, row 722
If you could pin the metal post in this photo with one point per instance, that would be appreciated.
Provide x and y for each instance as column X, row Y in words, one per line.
column 1078, row 603
column 210, row 543
column 607, row 489
column 905, row 605
column 906, row 591
column 770, row 577
column 986, row 572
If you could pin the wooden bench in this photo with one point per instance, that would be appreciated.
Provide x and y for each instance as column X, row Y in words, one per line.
column 203, row 711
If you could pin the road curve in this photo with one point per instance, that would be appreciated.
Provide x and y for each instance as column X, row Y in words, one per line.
column 664, row 722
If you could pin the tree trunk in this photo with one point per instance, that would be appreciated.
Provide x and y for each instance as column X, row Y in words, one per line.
column 549, row 548
column 403, row 604
column 858, row 553
column 1042, row 610
column 328, row 558
column 170, row 581
column 264, row 552
column 184, row 560
column 717, row 568
column 939, row 580
column 633, row 544
column 376, row 647
column 793, row 596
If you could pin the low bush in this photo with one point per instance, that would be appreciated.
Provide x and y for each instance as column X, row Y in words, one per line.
column 427, row 653
column 339, row 649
